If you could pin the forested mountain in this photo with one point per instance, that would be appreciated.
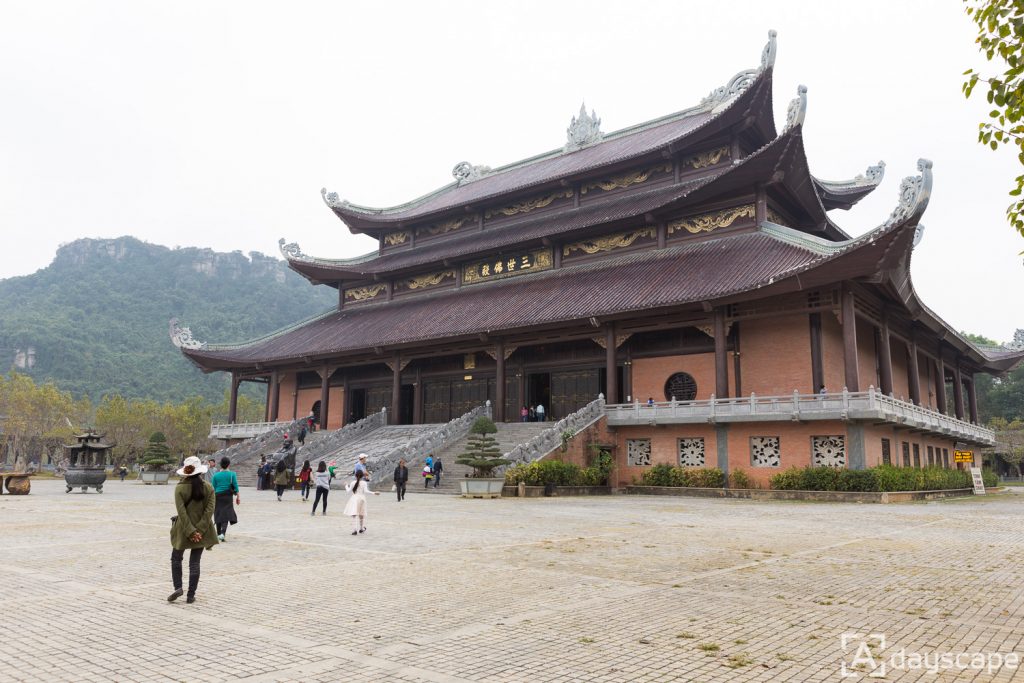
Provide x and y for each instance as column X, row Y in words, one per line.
column 95, row 320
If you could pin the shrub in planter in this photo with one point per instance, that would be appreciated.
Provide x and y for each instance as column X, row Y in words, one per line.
column 683, row 477
column 156, row 456
column 991, row 478
column 483, row 454
column 857, row 480
column 879, row 478
column 787, row 480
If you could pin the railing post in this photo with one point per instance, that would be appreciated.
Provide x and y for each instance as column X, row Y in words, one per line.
column 796, row 402
column 488, row 408
column 384, row 415
column 846, row 400
column 753, row 403
column 871, row 397
column 713, row 405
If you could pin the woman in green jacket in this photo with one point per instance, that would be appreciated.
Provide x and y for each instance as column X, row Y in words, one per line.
column 283, row 478
column 192, row 527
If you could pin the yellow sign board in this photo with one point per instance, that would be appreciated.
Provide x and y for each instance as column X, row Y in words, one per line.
column 963, row 456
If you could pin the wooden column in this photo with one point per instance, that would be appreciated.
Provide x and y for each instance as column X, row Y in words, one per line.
column 233, row 402
column 940, row 383
column 325, row 394
column 915, row 373
column 266, row 403
column 627, row 376
column 346, row 408
column 417, row 398
column 958, row 391
column 611, row 366
column 817, row 367
column 972, row 400
column 735, row 334
column 396, row 390
column 499, row 381
column 885, row 356
column 850, row 342
column 721, row 362
column 274, row 392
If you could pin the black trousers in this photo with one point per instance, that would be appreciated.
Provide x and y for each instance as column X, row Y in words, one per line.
column 320, row 491
column 194, row 556
column 280, row 489
column 400, row 490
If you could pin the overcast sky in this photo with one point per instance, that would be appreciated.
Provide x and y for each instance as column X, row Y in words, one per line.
column 216, row 124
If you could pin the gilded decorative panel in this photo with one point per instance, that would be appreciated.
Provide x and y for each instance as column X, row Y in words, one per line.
column 365, row 293
column 608, row 242
column 528, row 205
column 707, row 158
column 397, row 237
column 444, row 227
column 706, row 222
column 625, row 180
column 774, row 217
column 638, row 452
column 828, row 451
column 765, row 451
column 426, row 281
column 505, row 266
column 691, row 452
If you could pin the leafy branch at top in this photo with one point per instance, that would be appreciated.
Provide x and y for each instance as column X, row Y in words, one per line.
column 1001, row 34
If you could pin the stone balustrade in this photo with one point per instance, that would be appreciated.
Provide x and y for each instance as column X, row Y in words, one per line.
column 550, row 439
column 431, row 442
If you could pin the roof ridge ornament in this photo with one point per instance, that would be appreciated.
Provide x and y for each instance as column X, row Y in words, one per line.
column 332, row 200
column 465, row 172
column 797, row 108
column 291, row 251
column 721, row 96
column 872, row 176
column 914, row 194
column 182, row 337
column 583, row 130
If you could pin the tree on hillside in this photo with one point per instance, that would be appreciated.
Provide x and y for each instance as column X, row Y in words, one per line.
column 1001, row 35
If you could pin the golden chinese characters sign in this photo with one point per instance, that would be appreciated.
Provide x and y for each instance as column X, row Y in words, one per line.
column 501, row 266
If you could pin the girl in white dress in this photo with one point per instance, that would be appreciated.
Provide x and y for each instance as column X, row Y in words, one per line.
column 356, row 505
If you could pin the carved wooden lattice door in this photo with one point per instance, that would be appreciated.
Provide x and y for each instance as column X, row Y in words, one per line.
column 467, row 395
column 437, row 401
column 571, row 390
column 512, row 400
column 377, row 398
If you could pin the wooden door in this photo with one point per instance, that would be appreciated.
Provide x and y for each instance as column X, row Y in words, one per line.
column 437, row 401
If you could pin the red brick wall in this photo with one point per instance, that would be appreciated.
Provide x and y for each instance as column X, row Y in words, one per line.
column 650, row 374
column 775, row 356
column 664, row 447
column 335, row 408
column 867, row 364
column 832, row 353
column 285, row 398
column 578, row 451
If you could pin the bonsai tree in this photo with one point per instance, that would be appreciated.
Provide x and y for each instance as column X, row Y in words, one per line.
column 483, row 454
column 156, row 455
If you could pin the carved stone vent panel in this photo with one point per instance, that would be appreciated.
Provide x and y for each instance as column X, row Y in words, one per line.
column 691, row 452
column 681, row 387
column 828, row 451
column 638, row 452
column 765, row 451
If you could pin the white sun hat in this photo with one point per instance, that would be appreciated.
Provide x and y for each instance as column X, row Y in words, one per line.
column 193, row 465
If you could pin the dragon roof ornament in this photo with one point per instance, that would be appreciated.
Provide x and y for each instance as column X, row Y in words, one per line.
column 743, row 80
column 797, row 108
column 291, row 251
column 583, row 130
column 914, row 194
column 465, row 172
column 332, row 200
column 182, row 337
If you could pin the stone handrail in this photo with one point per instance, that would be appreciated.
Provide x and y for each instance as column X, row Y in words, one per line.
column 243, row 430
column 353, row 431
column 550, row 439
column 253, row 446
column 845, row 405
column 430, row 442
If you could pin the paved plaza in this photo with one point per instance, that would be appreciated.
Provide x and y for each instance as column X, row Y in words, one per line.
column 445, row 589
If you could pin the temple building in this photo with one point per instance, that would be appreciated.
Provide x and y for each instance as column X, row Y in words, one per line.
column 687, row 268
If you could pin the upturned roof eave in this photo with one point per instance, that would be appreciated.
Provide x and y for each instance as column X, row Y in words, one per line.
column 370, row 220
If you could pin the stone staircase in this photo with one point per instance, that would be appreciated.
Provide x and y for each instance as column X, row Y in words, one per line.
column 509, row 435
column 244, row 465
column 376, row 445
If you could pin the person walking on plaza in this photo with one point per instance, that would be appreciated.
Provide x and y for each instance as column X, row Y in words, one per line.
column 540, row 413
column 225, row 486
column 259, row 473
column 211, row 469
column 322, row 480
column 123, row 472
column 282, row 479
column 361, row 466
column 192, row 527
column 331, row 467
column 302, row 435
column 438, row 468
column 356, row 505
column 428, row 474
column 401, row 479
column 305, row 477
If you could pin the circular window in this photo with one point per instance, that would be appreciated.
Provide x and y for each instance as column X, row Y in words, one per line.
column 681, row 387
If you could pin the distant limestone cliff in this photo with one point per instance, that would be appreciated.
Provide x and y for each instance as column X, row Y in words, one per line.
column 95, row 320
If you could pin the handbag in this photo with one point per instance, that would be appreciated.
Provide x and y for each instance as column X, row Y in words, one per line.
column 174, row 520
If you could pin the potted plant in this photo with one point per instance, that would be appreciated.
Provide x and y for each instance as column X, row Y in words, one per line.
column 156, row 457
column 483, row 455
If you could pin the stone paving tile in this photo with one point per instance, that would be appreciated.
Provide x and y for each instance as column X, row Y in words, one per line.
column 444, row 589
